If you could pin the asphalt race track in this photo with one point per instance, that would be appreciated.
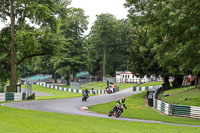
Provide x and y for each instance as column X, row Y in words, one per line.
column 75, row 106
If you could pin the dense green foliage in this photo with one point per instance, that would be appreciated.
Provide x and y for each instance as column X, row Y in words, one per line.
column 159, row 38
column 71, row 56
column 32, row 32
column 108, row 43
column 49, row 29
column 167, row 38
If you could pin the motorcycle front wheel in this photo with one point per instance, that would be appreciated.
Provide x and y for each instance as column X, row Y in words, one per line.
column 118, row 114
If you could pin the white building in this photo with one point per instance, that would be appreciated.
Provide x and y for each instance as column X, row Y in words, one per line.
column 128, row 77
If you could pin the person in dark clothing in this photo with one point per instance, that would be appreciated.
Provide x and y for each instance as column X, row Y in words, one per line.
column 87, row 92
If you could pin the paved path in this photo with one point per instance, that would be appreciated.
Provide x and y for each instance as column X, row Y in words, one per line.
column 75, row 106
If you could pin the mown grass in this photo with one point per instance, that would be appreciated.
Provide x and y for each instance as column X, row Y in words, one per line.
column 183, row 96
column 100, row 85
column 137, row 109
column 151, row 84
column 56, row 94
column 29, row 121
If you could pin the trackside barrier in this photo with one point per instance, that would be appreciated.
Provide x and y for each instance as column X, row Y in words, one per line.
column 69, row 89
column 162, row 106
column 171, row 109
column 186, row 111
column 145, row 88
column 11, row 96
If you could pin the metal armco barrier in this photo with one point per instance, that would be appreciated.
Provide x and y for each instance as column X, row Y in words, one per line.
column 186, row 111
column 162, row 106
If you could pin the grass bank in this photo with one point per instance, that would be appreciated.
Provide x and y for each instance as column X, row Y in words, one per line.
column 56, row 94
column 100, row 85
column 182, row 96
column 29, row 121
column 151, row 84
column 137, row 109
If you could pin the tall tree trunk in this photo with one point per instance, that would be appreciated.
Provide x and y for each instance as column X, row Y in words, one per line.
column 74, row 76
column 55, row 78
column 13, row 78
column 67, row 78
column 166, row 83
column 104, row 63
column 196, row 81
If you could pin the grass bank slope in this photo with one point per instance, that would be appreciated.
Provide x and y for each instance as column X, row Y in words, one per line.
column 101, row 85
column 183, row 96
column 56, row 94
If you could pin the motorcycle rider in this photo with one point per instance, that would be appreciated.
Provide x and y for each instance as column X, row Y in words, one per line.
column 85, row 95
column 120, row 102
column 87, row 92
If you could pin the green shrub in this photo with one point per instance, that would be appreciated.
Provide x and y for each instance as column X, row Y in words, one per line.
column 2, row 88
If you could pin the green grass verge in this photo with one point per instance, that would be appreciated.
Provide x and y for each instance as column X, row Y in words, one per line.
column 137, row 109
column 56, row 94
column 178, row 96
column 151, row 84
column 125, row 85
column 29, row 121
column 64, row 86
column 100, row 85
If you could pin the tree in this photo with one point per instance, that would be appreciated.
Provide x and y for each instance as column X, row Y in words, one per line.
column 102, row 37
column 109, row 45
column 71, row 55
column 120, row 52
column 41, row 13
column 172, row 32
column 4, row 56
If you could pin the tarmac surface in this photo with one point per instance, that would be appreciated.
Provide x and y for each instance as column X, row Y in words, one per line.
column 74, row 106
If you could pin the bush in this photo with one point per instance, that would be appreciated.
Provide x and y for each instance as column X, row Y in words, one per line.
column 2, row 88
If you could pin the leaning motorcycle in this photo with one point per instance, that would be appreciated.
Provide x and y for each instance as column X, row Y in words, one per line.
column 117, row 110
column 85, row 96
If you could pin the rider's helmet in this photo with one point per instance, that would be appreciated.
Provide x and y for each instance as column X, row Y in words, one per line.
column 123, row 100
column 86, row 90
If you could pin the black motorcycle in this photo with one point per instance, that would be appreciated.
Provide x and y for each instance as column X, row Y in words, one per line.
column 117, row 110
column 85, row 96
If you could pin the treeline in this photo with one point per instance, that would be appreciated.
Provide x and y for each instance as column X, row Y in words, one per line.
column 158, row 38
column 167, row 39
column 48, row 37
